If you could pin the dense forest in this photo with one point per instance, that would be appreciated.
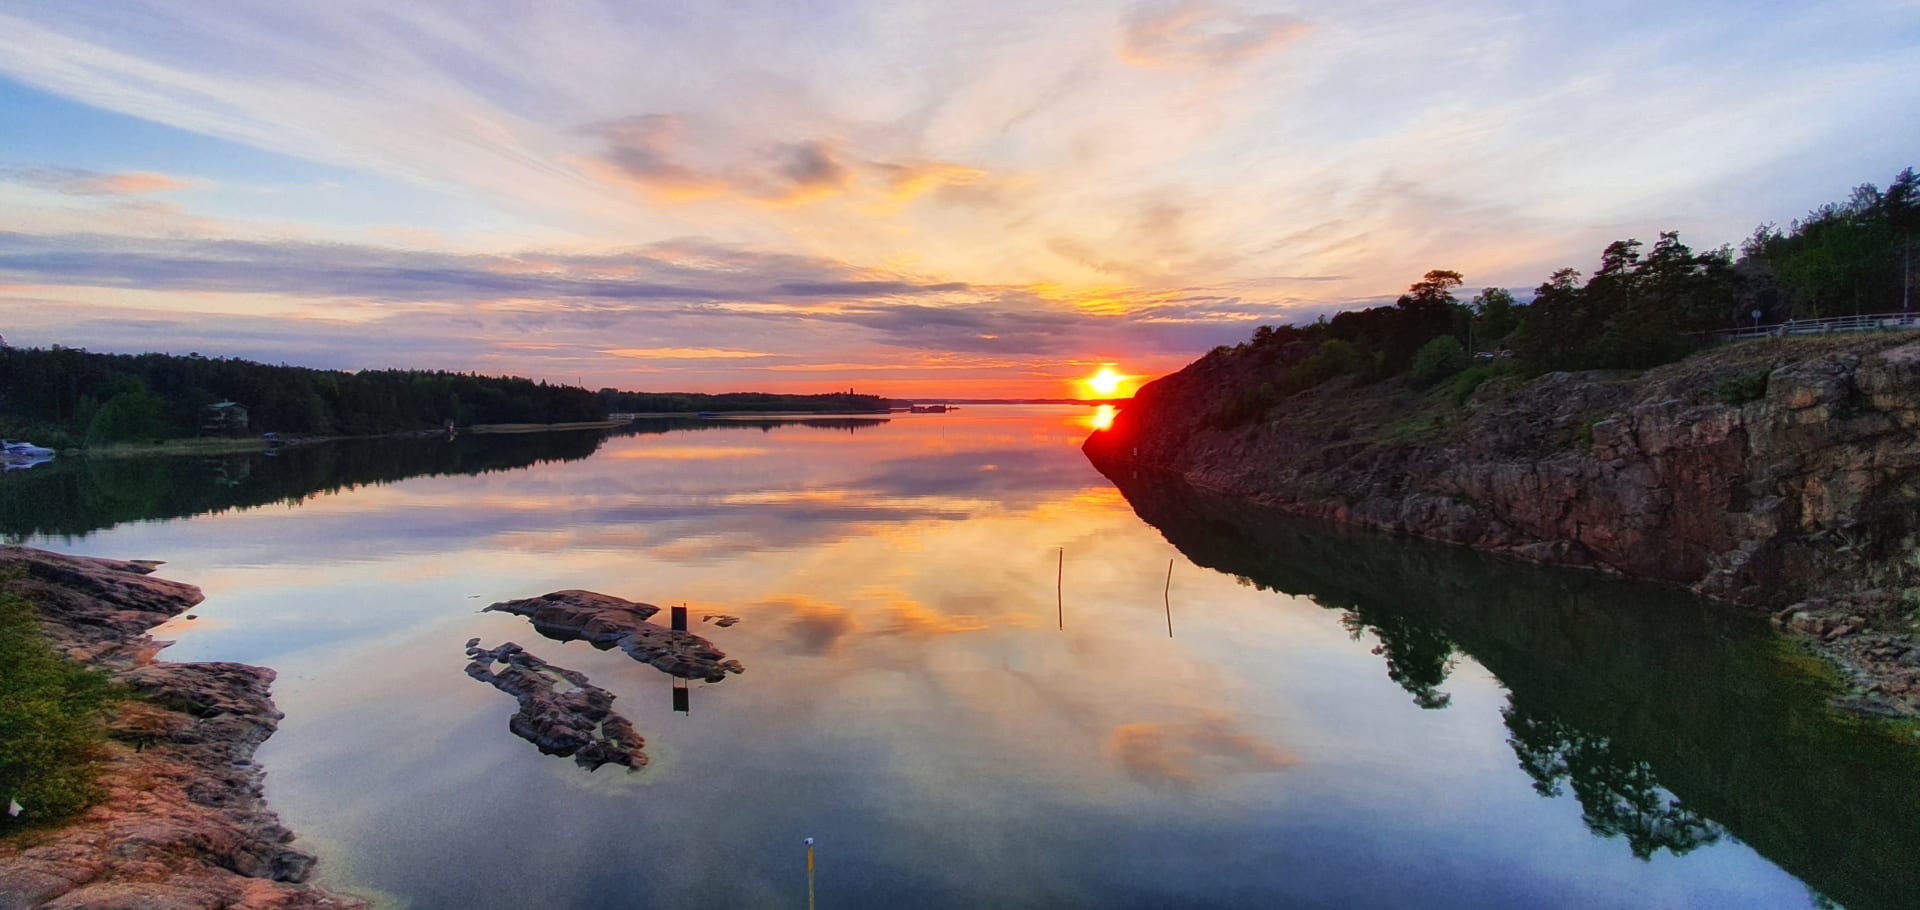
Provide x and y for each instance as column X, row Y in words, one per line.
column 615, row 401
column 68, row 396
column 1641, row 307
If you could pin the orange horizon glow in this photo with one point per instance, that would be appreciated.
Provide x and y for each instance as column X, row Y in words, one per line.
column 1066, row 379
column 1108, row 382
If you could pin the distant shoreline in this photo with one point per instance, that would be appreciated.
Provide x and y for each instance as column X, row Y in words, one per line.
column 241, row 445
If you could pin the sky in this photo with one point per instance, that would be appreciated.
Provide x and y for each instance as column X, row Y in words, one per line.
column 988, row 199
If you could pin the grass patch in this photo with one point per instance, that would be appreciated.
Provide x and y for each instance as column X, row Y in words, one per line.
column 1412, row 428
column 51, row 728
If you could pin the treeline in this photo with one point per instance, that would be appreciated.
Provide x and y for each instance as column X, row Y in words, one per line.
column 1640, row 308
column 69, row 396
column 615, row 401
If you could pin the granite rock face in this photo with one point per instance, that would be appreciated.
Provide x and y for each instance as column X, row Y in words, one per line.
column 610, row 622
column 560, row 712
column 1806, row 493
column 182, row 822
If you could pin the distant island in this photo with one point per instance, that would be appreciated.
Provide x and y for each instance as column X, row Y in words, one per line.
column 68, row 398
column 614, row 401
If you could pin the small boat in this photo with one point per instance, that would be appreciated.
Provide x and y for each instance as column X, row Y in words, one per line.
column 19, row 455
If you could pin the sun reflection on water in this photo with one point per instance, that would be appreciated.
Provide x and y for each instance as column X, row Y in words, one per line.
column 1101, row 418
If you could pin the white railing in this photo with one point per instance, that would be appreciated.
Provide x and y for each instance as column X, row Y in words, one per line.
column 1882, row 322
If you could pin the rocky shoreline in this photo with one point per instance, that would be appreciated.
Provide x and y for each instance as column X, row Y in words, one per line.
column 182, row 822
column 1781, row 475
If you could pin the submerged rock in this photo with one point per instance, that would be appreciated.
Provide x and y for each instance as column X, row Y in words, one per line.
column 606, row 621
column 723, row 620
column 559, row 711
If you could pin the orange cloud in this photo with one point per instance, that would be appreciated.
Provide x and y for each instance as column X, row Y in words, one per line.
column 1201, row 33
column 683, row 353
column 907, row 181
column 75, row 182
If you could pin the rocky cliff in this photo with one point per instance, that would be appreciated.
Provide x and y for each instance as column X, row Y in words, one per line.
column 1783, row 474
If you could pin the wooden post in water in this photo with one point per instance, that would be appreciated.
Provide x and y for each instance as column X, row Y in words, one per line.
column 1060, row 590
column 1167, row 595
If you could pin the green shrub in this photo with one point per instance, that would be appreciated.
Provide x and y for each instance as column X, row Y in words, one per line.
column 1436, row 360
column 1250, row 405
column 1583, row 434
column 50, row 720
column 1472, row 378
column 1748, row 386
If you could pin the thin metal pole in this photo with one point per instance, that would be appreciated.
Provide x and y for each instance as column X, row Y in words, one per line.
column 1167, row 595
column 1060, row 589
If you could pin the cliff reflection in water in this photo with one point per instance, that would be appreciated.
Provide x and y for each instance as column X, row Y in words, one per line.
column 1673, row 722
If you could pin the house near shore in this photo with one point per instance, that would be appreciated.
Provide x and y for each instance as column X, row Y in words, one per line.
column 224, row 418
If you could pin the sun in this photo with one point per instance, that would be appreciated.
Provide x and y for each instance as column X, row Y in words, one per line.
column 1105, row 382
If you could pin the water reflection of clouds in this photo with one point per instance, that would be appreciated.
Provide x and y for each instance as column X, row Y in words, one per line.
column 813, row 627
column 1192, row 752
column 686, row 453
column 684, row 505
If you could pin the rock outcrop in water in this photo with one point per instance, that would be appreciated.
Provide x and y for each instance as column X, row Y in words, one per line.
column 1782, row 474
column 610, row 622
column 182, row 822
column 560, row 712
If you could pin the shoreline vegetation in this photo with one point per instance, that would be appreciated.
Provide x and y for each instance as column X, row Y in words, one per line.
column 144, row 791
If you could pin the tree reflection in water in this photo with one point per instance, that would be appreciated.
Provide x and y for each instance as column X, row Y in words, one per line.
column 1674, row 723
column 1618, row 794
column 1418, row 658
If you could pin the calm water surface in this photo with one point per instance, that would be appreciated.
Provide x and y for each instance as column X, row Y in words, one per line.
column 960, row 717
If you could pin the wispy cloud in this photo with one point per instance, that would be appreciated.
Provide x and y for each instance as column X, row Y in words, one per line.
column 1198, row 32
column 684, row 353
column 1072, row 181
column 650, row 152
column 76, row 182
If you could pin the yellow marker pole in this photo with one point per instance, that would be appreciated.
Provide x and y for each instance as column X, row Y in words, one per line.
column 809, row 873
